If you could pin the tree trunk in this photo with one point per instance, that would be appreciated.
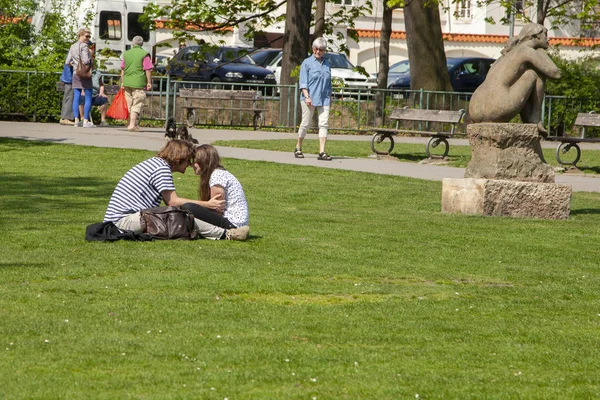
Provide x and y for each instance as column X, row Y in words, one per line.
column 319, row 19
column 384, row 63
column 542, row 10
column 295, row 47
column 428, row 69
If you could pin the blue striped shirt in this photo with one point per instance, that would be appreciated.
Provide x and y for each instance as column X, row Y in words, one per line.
column 140, row 188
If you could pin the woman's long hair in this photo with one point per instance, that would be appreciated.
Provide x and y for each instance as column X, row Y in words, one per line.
column 207, row 158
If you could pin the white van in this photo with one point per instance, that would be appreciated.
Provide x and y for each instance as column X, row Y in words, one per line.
column 116, row 23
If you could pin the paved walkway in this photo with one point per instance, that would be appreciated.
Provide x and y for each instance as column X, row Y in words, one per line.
column 153, row 139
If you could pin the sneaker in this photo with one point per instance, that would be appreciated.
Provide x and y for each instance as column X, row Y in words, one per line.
column 240, row 233
column 78, row 123
column 66, row 122
column 88, row 124
column 104, row 123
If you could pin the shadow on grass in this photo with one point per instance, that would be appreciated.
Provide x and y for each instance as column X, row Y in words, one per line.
column 590, row 170
column 24, row 142
column 4, row 265
column 584, row 211
column 28, row 195
column 409, row 157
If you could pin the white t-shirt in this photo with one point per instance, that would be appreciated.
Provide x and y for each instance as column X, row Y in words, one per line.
column 237, row 208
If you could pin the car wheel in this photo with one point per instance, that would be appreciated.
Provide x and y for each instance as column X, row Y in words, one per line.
column 215, row 83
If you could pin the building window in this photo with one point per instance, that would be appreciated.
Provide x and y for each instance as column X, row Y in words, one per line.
column 343, row 2
column 519, row 8
column 463, row 9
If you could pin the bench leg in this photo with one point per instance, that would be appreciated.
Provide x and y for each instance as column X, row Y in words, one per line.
column 563, row 149
column 434, row 142
column 258, row 120
column 382, row 143
column 190, row 118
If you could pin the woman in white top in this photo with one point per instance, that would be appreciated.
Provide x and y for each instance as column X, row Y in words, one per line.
column 216, row 180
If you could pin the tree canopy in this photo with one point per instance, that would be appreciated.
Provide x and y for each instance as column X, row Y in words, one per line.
column 22, row 47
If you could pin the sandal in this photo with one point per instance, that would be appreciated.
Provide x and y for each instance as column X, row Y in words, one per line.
column 298, row 153
column 324, row 156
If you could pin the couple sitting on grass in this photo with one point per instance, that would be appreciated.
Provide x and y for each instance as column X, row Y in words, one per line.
column 221, row 212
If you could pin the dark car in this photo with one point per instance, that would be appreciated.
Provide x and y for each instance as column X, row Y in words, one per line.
column 466, row 74
column 264, row 57
column 397, row 70
column 222, row 64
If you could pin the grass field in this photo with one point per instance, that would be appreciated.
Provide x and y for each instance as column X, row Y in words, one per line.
column 459, row 156
column 351, row 286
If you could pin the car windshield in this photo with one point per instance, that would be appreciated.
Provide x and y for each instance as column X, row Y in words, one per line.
column 338, row 61
column 265, row 57
column 402, row 67
column 230, row 54
column 451, row 62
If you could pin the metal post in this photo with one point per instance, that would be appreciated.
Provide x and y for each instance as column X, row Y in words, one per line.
column 168, row 102
column 295, row 102
column 511, row 29
column 449, row 18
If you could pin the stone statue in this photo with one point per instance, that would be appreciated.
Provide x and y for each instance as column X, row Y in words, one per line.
column 516, row 82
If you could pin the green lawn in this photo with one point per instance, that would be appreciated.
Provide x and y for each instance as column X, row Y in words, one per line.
column 458, row 156
column 351, row 286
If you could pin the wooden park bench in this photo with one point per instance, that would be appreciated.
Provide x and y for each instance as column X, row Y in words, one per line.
column 567, row 143
column 411, row 121
column 219, row 99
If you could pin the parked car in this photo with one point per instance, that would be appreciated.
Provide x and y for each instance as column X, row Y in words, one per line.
column 224, row 64
column 160, row 65
column 397, row 70
column 264, row 57
column 466, row 74
column 343, row 73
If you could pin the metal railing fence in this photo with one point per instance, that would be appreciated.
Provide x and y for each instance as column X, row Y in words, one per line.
column 32, row 95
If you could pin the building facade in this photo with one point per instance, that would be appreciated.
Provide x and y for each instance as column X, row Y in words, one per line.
column 465, row 29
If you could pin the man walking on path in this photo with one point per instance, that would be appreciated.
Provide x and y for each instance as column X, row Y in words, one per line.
column 136, row 78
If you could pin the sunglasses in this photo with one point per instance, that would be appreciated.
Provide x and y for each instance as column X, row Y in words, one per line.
column 88, row 36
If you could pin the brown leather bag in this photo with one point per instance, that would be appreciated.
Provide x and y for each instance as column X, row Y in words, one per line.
column 168, row 223
column 84, row 71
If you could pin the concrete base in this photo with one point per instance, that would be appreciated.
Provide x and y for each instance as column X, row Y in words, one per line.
column 492, row 197
column 507, row 152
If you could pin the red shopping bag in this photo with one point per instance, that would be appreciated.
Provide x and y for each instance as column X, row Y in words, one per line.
column 118, row 109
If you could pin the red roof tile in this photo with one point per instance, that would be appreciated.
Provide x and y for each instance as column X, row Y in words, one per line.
column 477, row 38
column 161, row 24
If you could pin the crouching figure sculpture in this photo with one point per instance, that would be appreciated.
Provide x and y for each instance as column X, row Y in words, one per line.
column 516, row 82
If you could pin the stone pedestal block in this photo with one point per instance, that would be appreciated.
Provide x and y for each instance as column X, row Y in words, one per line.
column 507, row 152
column 492, row 197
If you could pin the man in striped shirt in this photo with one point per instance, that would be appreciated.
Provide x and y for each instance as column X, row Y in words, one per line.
column 150, row 182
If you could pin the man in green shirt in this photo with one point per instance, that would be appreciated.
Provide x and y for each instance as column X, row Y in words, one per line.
column 136, row 78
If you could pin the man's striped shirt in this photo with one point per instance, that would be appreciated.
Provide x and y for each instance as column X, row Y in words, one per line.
column 140, row 188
